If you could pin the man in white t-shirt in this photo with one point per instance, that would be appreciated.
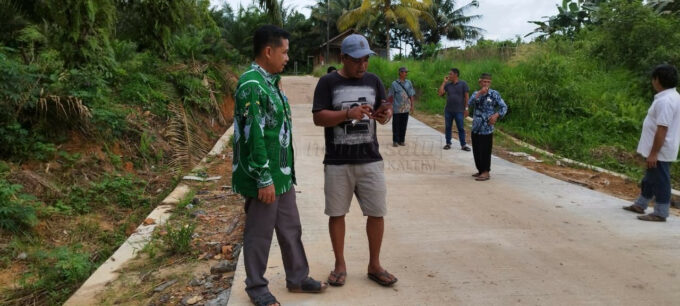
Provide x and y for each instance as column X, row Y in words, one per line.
column 659, row 145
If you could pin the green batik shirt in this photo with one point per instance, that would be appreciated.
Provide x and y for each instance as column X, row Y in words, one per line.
column 263, row 150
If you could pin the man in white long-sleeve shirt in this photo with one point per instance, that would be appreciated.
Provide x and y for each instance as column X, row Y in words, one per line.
column 659, row 144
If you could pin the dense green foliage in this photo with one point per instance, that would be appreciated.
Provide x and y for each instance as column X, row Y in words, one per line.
column 78, row 74
column 583, row 97
column 17, row 209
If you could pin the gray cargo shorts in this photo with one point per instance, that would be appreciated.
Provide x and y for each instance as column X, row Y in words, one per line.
column 366, row 181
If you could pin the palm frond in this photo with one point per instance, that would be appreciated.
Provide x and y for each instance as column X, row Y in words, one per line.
column 68, row 107
column 410, row 19
column 188, row 148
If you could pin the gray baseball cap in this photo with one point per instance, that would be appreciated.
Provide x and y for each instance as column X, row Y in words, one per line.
column 356, row 46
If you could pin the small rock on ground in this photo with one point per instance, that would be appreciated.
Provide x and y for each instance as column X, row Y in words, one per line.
column 165, row 285
column 197, row 213
column 196, row 282
column 223, row 266
column 191, row 300
column 221, row 300
column 164, row 298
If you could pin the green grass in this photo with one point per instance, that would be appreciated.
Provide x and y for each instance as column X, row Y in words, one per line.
column 558, row 100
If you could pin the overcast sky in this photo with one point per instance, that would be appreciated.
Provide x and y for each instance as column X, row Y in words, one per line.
column 501, row 19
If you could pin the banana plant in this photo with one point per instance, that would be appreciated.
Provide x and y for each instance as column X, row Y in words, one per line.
column 572, row 16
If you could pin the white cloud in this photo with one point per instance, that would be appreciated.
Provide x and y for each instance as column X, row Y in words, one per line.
column 503, row 19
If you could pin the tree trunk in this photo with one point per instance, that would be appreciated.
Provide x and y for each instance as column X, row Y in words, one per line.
column 387, row 51
column 388, row 4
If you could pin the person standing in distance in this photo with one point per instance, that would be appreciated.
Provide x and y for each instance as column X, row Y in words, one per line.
column 457, row 95
column 659, row 145
column 401, row 94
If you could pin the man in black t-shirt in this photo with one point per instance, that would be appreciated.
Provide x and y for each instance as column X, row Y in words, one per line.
column 347, row 103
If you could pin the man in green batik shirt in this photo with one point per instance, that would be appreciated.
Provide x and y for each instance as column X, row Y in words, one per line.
column 263, row 170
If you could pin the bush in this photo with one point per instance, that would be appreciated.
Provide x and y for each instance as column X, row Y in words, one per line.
column 559, row 98
column 53, row 276
column 633, row 35
column 178, row 239
column 17, row 212
column 122, row 191
column 20, row 143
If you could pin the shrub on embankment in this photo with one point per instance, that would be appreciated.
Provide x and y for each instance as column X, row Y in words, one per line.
column 558, row 99
column 582, row 94
column 103, row 105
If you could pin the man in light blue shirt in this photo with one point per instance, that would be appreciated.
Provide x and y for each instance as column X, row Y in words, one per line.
column 401, row 94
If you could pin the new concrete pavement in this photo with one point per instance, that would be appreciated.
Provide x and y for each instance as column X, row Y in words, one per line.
column 521, row 238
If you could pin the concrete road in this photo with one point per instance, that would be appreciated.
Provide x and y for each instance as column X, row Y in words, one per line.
column 521, row 238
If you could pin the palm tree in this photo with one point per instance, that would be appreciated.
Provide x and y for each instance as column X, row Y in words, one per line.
column 273, row 9
column 452, row 23
column 322, row 14
column 405, row 12
column 665, row 6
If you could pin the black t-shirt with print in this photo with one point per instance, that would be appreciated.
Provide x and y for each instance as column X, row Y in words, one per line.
column 349, row 143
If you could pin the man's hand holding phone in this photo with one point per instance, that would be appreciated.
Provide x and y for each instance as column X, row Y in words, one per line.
column 384, row 113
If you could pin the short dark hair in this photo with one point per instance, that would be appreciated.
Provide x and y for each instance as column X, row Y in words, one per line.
column 268, row 35
column 485, row 76
column 667, row 75
column 331, row 69
column 455, row 70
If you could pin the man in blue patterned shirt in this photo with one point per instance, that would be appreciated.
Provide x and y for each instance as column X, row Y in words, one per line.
column 487, row 106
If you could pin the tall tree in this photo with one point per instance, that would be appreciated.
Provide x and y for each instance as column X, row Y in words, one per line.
column 665, row 6
column 405, row 12
column 152, row 23
column 238, row 27
column 325, row 15
column 452, row 22
column 82, row 29
column 273, row 10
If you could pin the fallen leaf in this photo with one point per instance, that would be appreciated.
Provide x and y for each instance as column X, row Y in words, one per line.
column 149, row 221
column 226, row 249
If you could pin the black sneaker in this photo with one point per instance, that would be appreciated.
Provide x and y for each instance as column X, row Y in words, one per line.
column 466, row 148
column 402, row 144
column 446, row 147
